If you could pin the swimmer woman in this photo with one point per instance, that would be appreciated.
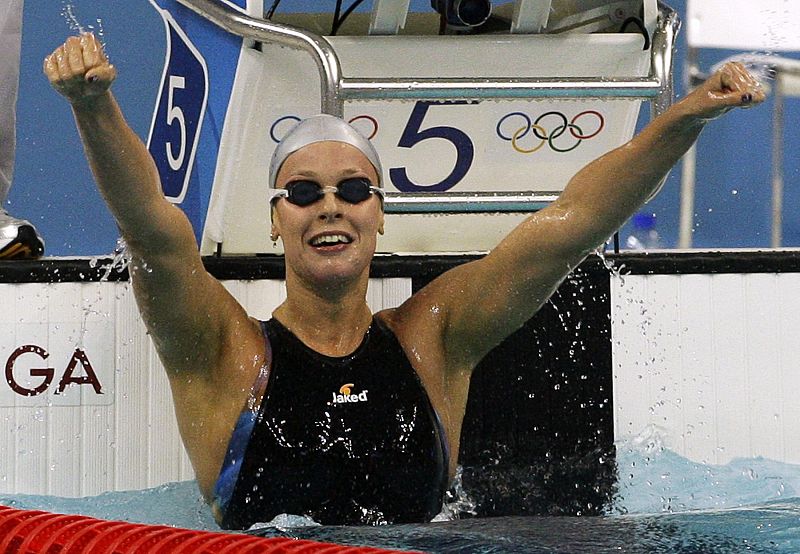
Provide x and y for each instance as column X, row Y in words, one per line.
column 329, row 410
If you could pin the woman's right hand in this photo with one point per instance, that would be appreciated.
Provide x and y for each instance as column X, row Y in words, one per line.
column 79, row 69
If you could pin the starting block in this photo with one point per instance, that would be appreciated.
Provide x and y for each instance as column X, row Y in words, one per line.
column 475, row 131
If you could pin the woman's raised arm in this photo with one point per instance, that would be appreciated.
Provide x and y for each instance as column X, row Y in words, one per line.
column 188, row 312
column 484, row 301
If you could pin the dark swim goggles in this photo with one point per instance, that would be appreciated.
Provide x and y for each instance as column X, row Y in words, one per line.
column 304, row 193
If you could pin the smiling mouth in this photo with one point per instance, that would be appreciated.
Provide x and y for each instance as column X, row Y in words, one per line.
column 330, row 240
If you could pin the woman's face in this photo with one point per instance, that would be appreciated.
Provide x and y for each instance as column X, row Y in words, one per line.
column 330, row 241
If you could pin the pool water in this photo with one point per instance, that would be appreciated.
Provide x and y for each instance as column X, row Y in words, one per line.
column 665, row 503
column 772, row 527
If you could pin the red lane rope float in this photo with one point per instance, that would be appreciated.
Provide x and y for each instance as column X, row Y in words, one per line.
column 36, row 532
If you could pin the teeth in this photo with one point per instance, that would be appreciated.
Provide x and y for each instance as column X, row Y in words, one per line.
column 330, row 239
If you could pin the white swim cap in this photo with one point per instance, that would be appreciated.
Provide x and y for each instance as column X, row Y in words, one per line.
column 321, row 128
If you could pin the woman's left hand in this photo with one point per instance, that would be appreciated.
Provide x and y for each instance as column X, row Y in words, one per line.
column 730, row 87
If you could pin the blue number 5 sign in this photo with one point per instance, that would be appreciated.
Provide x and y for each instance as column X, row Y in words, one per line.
column 179, row 112
column 413, row 134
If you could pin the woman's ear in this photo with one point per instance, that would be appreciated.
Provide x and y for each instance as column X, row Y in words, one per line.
column 274, row 233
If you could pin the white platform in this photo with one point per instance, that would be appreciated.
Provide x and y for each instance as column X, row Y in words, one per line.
column 278, row 85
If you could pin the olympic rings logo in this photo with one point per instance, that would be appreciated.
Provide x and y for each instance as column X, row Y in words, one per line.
column 364, row 124
column 592, row 121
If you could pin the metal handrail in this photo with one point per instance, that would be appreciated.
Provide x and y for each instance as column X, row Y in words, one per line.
column 663, row 55
column 478, row 202
column 336, row 89
column 261, row 30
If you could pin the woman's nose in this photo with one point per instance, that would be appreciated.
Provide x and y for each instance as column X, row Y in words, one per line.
column 330, row 204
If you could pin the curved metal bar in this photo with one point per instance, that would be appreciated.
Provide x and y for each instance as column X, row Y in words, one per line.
column 336, row 89
column 454, row 88
column 237, row 23
column 663, row 55
column 468, row 202
column 664, row 44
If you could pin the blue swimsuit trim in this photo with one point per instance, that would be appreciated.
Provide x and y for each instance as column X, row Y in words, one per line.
column 223, row 489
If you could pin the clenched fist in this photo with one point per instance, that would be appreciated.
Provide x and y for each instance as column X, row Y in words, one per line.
column 730, row 87
column 79, row 69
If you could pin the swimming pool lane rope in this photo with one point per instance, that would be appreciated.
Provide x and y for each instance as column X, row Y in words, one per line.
column 36, row 532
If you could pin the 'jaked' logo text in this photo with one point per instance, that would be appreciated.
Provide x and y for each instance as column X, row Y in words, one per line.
column 345, row 395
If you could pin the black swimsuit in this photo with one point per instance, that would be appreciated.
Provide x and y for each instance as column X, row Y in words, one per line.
column 350, row 440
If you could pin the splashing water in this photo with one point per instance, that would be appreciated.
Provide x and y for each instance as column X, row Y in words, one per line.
column 671, row 504
column 761, row 65
column 615, row 271
column 119, row 262
column 456, row 500
column 284, row 522
column 69, row 14
column 655, row 479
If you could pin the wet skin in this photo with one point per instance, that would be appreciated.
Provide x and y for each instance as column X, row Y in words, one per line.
column 212, row 350
column 329, row 269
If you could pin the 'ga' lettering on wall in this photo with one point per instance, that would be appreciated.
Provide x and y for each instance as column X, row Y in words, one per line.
column 87, row 375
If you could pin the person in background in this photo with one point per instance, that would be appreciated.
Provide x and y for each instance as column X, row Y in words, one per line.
column 327, row 409
column 18, row 237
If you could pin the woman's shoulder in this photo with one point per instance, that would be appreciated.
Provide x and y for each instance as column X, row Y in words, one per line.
column 413, row 320
column 386, row 316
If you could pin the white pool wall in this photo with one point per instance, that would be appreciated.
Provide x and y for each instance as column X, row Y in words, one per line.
column 80, row 443
column 706, row 363
column 710, row 363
